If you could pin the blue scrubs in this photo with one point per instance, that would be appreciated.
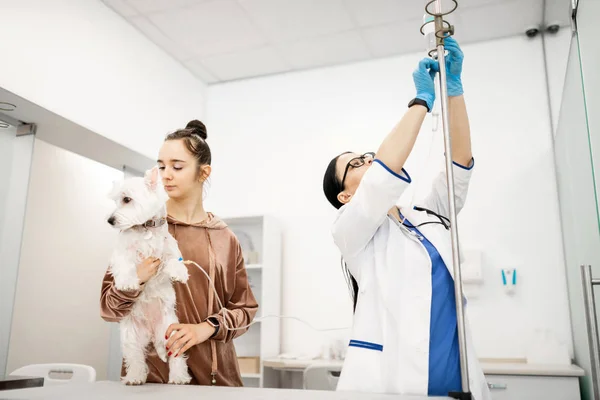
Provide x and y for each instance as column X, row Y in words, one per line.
column 444, row 358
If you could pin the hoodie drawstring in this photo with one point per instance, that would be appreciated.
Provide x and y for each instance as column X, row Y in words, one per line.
column 211, row 273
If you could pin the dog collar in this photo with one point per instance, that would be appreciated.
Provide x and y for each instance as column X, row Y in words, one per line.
column 154, row 223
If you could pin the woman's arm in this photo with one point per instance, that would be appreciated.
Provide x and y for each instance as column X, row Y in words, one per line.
column 242, row 306
column 383, row 184
column 460, row 131
column 115, row 304
column 396, row 147
column 460, row 134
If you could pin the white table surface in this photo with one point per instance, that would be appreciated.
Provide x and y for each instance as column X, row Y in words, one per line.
column 531, row 369
column 489, row 368
column 108, row 390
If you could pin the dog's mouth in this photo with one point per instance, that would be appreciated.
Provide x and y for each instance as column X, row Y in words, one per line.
column 115, row 223
column 125, row 223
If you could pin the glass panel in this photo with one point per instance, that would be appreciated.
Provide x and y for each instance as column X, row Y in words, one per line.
column 589, row 58
column 578, row 202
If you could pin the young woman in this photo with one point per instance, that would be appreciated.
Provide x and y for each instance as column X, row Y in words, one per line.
column 405, row 337
column 184, row 162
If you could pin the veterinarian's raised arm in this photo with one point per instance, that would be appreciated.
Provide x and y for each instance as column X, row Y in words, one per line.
column 242, row 305
column 115, row 304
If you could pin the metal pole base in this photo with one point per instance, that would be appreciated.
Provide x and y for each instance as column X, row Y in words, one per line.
column 461, row 395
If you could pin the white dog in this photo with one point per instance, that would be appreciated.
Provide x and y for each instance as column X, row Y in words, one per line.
column 140, row 216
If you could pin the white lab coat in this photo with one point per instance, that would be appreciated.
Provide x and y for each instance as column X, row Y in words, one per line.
column 393, row 271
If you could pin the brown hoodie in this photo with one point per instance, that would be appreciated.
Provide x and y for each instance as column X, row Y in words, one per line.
column 212, row 245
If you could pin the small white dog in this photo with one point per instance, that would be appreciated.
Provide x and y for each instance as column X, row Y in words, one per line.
column 140, row 216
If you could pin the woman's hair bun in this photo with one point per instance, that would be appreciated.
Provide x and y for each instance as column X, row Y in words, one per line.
column 198, row 128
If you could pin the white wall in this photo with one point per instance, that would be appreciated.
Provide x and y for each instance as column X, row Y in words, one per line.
column 273, row 137
column 578, row 205
column 82, row 61
column 65, row 251
column 7, row 136
column 557, row 54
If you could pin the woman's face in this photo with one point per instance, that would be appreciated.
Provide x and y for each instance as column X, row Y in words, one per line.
column 354, row 166
column 179, row 169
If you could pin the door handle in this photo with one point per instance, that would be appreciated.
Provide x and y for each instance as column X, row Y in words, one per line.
column 497, row 386
column 592, row 325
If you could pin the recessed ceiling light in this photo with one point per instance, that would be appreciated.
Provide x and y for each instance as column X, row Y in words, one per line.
column 4, row 106
column 3, row 125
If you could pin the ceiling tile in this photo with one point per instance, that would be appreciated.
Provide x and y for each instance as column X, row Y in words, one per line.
column 209, row 28
column 121, row 7
column 244, row 64
column 326, row 50
column 200, row 71
column 150, row 6
column 398, row 38
column 291, row 20
column 379, row 12
column 227, row 39
column 155, row 35
column 475, row 3
column 509, row 18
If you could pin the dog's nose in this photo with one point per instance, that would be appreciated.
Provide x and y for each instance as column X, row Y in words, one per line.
column 111, row 220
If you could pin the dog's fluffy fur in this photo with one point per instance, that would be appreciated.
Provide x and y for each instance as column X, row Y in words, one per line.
column 139, row 200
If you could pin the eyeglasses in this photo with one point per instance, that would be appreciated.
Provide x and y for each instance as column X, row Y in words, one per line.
column 356, row 162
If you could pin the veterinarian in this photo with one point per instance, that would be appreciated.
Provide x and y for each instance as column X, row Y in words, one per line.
column 185, row 164
column 399, row 262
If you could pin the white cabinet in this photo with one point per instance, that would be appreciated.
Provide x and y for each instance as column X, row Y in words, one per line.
column 260, row 238
column 522, row 387
column 521, row 381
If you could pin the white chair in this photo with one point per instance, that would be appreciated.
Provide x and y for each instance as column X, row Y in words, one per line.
column 321, row 377
column 58, row 374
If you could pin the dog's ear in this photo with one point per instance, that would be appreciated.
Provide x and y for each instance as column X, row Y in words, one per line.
column 116, row 187
column 151, row 178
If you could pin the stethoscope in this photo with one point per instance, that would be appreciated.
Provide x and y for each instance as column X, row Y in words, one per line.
column 445, row 222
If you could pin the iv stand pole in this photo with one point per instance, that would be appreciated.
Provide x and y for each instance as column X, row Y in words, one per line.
column 440, row 32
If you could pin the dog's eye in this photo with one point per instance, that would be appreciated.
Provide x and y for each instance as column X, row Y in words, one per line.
column 126, row 200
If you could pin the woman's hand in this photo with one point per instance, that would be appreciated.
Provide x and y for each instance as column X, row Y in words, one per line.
column 147, row 268
column 454, row 62
column 423, row 78
column 183, row 336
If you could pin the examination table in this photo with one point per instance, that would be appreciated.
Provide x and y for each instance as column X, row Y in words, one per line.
column 109, row 390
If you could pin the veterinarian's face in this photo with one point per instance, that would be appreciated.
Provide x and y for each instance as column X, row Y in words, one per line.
column 179, row 169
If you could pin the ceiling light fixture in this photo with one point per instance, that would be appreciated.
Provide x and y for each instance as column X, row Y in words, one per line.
column 3, row 125
column 4, row 106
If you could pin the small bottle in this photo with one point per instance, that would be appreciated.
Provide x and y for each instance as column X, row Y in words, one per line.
column 429, row 32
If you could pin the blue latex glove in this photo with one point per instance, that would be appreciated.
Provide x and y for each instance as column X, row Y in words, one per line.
column 423, row 78
column 454, row 61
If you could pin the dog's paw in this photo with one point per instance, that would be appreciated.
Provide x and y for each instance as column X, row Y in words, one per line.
column 178, row 272
column 179, row 377
column 127, row 284
column 128, row 287
column 133, row 380
column 137, row 373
